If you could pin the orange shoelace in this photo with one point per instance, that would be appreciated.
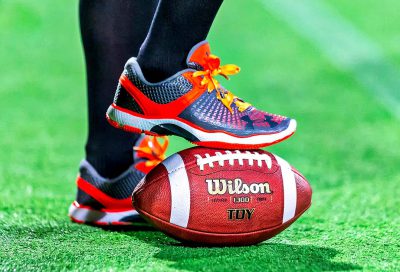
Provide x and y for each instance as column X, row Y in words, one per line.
column 153, row 150
column 213, row 68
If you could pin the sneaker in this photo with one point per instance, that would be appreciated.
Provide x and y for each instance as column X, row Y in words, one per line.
column 102, row 201
column 192, row 104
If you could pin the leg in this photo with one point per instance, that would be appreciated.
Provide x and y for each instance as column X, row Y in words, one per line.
column 112, row 31
column 177, row 26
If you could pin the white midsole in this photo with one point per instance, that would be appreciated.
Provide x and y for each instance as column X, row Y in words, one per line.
column 87, row 215
column 147, row 124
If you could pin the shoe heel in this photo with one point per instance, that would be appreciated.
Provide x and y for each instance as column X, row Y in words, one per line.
column 130, row 123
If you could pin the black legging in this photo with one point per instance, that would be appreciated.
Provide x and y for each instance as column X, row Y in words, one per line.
column 113, row 31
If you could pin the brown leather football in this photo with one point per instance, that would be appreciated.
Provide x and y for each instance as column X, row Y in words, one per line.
column 221, row 197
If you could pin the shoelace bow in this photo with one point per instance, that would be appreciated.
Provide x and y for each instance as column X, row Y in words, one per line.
column 213, row 68
column 154, row 151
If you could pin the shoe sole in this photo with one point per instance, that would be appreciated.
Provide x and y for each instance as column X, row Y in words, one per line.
column 157, row 127
column 85, row 215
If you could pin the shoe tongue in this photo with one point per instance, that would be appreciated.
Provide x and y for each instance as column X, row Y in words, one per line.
column 197, row 56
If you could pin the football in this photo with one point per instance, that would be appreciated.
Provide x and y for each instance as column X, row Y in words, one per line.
column 222, row 197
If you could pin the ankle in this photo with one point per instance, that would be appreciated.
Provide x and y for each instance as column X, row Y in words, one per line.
column 151, row 72
column 159, row 66
column 109, row 163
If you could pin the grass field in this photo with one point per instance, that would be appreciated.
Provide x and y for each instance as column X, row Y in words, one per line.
column 347, row 143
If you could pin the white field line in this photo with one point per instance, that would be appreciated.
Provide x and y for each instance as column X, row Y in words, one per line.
column 344, row 45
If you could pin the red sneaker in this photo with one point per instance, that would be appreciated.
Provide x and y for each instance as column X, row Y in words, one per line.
column 102, row 201
column 193, row 105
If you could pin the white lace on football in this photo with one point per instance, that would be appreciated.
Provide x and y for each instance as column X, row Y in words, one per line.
column 230, row 157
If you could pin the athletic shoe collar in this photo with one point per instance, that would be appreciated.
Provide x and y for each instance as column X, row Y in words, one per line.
column 196, row 58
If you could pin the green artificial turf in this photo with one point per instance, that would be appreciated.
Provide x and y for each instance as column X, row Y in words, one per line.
column 347, row 145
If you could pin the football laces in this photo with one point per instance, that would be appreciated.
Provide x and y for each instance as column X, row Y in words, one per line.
column 253, row 158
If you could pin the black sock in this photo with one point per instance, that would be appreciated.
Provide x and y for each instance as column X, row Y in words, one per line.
column 177, row 26
column 112, row 32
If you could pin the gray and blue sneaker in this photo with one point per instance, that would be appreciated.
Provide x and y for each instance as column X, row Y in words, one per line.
column 102, row 201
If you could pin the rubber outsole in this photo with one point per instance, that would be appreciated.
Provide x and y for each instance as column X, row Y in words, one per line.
column 88, row 216
column 121, row 124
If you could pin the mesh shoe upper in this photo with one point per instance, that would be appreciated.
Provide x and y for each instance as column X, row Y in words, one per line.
column 162, row 93
column 119, row 188
column 207, row 111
